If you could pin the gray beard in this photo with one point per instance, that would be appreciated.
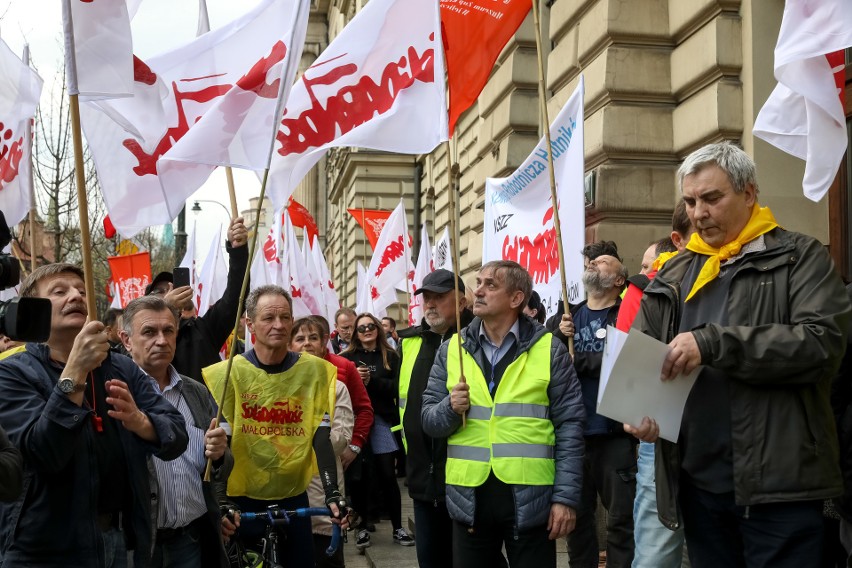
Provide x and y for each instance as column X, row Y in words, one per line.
column 597, row 283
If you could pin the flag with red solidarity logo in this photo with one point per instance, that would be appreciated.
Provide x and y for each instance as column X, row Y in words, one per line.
column 98, row 48
column 224, row 83
column 379, row 85
column 18, row 101
column 804, row 115
column 475, row 33
column 391, row 265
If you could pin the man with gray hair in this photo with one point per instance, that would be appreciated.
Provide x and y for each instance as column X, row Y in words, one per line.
column 765, row 313
column 514, row 471
column 609, row 467
column 185, row 513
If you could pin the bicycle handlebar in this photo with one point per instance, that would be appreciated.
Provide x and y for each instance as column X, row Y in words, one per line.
column 275, row 516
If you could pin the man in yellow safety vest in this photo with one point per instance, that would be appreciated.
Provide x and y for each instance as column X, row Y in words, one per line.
column 514, row 469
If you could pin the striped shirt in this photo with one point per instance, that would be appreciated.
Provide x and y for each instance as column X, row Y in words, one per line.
column 181, row 497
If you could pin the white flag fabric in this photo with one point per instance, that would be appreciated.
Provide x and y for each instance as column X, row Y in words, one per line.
column 518, row 221
column 421, row 269
column 390, row 265
column 379, row 84
column 365, row 302
column 188, row 261
column 98, row 48
column 304, row 301
column 174, row 94
column 442, row 255
column 330, row 298
column 804, row 116
column 18, row 101
column 239, row 129
column 214, row 276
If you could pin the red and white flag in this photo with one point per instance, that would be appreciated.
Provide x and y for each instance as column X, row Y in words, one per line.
column 380, row 85
column 475, row 33
column 305, row 301
column 442, row 257
column 804, row 115
column 422, row 268
column 18, row 101
column 390, row 265
column 131, row 273
column 372, row 221
column 98, row 48
column 330, row 298
column 302, row 218
column 235, row 70
column 214, row 276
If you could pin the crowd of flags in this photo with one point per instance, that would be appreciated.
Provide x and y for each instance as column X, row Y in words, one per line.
column 231, row 97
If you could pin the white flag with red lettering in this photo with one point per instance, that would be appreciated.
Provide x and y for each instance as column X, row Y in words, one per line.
column 390, row 264
column 18, row 101
column 332, row 302
column 421, row 269
column 98, row 48
column 173, row 94
column 304, row 297
column 804, row 115
column 380, row 85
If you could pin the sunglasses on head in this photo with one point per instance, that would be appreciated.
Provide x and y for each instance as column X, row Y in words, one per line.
column 367, row 327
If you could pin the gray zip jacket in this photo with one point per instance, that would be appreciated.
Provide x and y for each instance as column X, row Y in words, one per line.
column 532, row 502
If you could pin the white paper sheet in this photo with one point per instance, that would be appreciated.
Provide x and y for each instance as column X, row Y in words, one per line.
column 630, row 385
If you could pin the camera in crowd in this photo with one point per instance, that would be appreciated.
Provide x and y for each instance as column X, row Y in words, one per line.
column 21, row 319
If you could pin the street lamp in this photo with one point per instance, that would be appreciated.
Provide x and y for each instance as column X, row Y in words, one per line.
column 196, row 208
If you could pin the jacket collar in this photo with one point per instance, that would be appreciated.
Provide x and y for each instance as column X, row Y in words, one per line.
column 529, row 332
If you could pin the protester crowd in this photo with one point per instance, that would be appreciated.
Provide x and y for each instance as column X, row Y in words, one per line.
column 112, row 452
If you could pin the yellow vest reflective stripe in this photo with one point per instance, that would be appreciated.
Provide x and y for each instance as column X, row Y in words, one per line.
column 510, row 434
column 273, row 418
column 410, row 351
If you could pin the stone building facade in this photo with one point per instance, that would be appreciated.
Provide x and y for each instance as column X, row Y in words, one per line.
column 662, row 77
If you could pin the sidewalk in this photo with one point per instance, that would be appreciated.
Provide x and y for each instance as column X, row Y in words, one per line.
column 384, row 553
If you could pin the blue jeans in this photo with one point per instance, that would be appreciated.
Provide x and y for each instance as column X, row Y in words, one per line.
column 183, row 551
column 115, row 549
column 656, row 545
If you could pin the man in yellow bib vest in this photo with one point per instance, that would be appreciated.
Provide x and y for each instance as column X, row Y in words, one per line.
column 278, row 404
column 514, row 470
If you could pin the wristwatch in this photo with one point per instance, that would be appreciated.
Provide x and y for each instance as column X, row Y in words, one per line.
column 69, row 386
column 355, row 448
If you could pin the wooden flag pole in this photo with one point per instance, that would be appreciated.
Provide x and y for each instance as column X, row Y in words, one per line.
column 233, row 351
column 454, row 248
column 553, row 197
column 29, row 142
column 83, row 207
column 229, row 175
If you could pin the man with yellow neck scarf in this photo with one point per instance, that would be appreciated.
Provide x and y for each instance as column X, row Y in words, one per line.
column 765, row 313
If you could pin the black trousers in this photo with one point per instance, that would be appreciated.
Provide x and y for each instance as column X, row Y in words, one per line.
column 493, row 527
column 609, row 470
column 434, row 534
column 777, row 535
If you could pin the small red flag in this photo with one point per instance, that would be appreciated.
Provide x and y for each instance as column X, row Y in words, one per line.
column 372, row 221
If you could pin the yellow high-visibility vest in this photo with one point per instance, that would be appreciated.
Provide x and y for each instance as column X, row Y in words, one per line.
column 510, row 434
column 410, row 350
column 273, row 418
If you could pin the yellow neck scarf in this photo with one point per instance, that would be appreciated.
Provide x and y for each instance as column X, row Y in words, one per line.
column 662, row 259
column 761, row 221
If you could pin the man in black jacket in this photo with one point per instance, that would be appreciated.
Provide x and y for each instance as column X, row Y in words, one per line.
column 609, row 467
column 427, row 457
column 200, row 338
column 11, row 469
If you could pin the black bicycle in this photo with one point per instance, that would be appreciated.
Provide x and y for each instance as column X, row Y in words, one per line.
column 241, row 557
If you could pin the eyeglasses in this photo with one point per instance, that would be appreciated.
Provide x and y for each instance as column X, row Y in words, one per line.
column 367, row 327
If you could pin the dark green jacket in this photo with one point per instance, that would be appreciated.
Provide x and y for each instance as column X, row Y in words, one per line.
column 788, row 313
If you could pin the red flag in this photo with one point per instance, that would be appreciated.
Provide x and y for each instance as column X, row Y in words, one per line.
column 301, row 217
column 372, row 221
column 474, row 35
column 131, row 274
column 109, row 230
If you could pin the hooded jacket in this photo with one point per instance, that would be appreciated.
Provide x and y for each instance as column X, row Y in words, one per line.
column 532, row 502
column 426, row 458
column 786, row 333
column 52, row 524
